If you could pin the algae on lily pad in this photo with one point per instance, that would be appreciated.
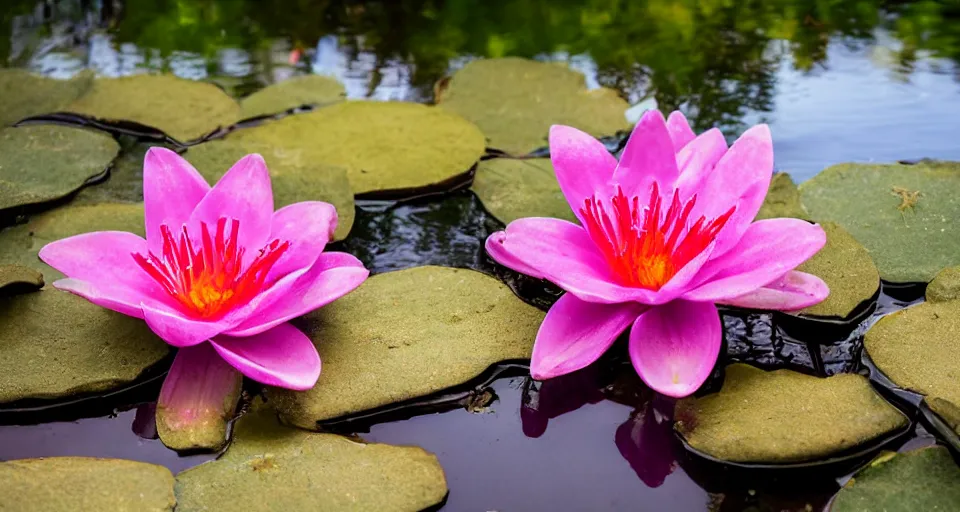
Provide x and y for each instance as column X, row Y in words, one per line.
column 85, row 484
column 514, row 101
column 183, row 109
column 269, row 467
column 19, row 277
column 848, row 270
column 407, row 334
column 784, row 416
column 905, row 215
column 43, row 163
column 292, row 93
column 926, row 479
column 945, row 285
column 56, row 344
column 24, row 94
column 783, row 200
column 515, row 188
column 384, row 146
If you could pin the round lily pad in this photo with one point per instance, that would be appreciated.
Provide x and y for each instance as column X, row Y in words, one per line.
column 20, row 278
column 514, row 101
column 924, row 479
column 406, row 334
column 24, row 94
column 783, row 200
column 294, row 175
column 784, row 416
column 270, row 467
column 945, row 285
column 292, row 93
column 183, row 109
column 848, row 270
column 43, row 163
column 903, row 214
column 514, row 188
column 125, row 183
column 385, row 146
column 84, row 484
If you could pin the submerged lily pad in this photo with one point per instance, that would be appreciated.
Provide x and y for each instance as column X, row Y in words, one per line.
column 385, row 146
column 410, row 333
column 43, row 163
column 903, row 214
column 783, row 200
column 271, row 467
column 294, row 174
column 183, row 109
column 945, row 285
column 514, row 101
column 297, row 91
column 514, row 188
column 19, row 277
column 85, row 484
column 924, row 479
column 784, row 416
column 848, row 270
column 24, row 94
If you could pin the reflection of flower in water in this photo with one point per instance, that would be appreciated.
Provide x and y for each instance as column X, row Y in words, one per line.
column 646, row 441
column 543, row 401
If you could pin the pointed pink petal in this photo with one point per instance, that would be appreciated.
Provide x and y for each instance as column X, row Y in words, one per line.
column 792, row 292
column 698, row 159
column 680, row 132
column 582, row 164
column 179, row 330
column 576, row 333
column 769, row 249
column 282, row 356
column 172, row 188
column 494, row 247
column 648, row 157
column 308, row 226
column 334, row 275
column 673, row 347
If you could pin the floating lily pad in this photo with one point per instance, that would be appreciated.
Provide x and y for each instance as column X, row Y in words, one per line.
column 514, row 101
column 84, row 484
column 297, row 91
column 183, row 109
column 945, row 285
column 848, row 270
column 948, row 411
column 924, row 479
column 43, row 163
column 385, row 146
column 412, row 333
column 784, row 416
column 514, row 188
column 903, row 214
column 269, row 467
column 783, row 200
column 24, row 94
column 125, row 183
column 294, row 175
column 20, row 278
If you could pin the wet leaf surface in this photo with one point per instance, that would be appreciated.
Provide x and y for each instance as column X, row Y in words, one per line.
column 848, row 270
column 292, row 93
column 24, row 94
column 945, row 285
column 515, row 188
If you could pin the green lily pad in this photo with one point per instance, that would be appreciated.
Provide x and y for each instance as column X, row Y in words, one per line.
column 784, row 416
column 945, row 285
column 947, row 410
column 926, row 479
column 297, row 91
column 295, row 176
column 511, row 189
column 848, row 270
column 84, row 484
column 56, row 344
column 183, row 109
column 903, row 214
column 783, row 200
column 43, row 163
column 24, row 94
column 412, row 332
column 270, row 467
column 514, row 101
column 385, row 146
column 125, row 183
column 19, row 277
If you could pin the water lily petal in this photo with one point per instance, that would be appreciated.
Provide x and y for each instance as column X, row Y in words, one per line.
column 172, row 189
column 308, row 227
column 698, row 159
column 680, row 132
column 181, row 331
column 576, row 333
column 282, row 356
column 495, row 248
column 792, row 292
column 648, row 157
column 582, row 164
column 673, row 347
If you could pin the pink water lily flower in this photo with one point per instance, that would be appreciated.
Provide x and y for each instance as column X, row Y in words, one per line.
column 664, row 235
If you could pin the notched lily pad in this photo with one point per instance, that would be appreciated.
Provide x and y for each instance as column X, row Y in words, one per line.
column 24, row 94
column 515, row 188
column 412, row 333
column 945, row 285
column 85, row 484
column 783, row 200
column 514, row 101
column 903, row 214
column 292, row 93
column 271, row 467
column 43, row 163
column 19, row 278
column 56, row 344
column 785, row 417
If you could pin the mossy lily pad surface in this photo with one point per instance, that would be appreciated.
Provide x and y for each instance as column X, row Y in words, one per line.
column 292, row 93
column 783, row 200
column 43, row 163
column 784, row 416
column 905, row 215
column 945, row 285
column 511, row 189
column 270, row 467
column 925, row 479
column 85, row 484
column 125, row 183
column 18, row 277
column 183, row 109
column 24, row 94
column 410, row 333
column 57, row 344
column 385, row 146
column 848, row 270
column 514, row 101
